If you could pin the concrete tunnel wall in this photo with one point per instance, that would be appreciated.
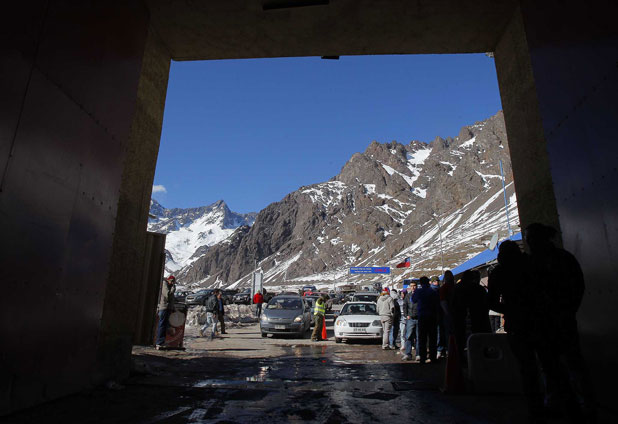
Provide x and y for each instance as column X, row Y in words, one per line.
column 80, row 122
column 70, row 72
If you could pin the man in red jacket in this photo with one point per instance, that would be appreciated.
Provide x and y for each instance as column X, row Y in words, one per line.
column 258, row 299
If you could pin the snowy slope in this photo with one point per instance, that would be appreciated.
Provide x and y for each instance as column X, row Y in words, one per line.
column 190, row 232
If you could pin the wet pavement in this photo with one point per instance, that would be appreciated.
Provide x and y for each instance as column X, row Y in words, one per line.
column 244, row 378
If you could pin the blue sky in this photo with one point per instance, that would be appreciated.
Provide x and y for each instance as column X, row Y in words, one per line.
column 251, row 131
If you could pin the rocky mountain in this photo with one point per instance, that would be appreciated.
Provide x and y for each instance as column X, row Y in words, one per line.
column 192, row 232
column 435, row 202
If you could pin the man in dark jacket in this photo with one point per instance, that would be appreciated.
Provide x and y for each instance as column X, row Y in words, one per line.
column 166, row 304
column 220, row 305
column 410, row 314
column 561, row 280
column 428, row 303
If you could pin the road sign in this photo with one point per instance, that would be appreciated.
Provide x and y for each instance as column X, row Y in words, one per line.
column 370, row 270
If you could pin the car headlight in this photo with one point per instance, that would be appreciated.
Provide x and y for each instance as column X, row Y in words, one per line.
column 264, row 318
column 298, row 318
column 376, row 323
column 341, row 322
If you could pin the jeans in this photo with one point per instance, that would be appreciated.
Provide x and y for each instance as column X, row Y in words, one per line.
column 427, row 337
column 411, row 336
column 402, row 332
column 442, row 336
column 392, row 335
column 258, row 309
column 387, row 323
column 210, row 320
column 162, row 328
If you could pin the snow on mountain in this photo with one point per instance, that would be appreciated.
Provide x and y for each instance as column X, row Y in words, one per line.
column 391, row 201
column 191, row 232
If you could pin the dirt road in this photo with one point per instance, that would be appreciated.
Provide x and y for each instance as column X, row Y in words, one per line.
column 244, row 378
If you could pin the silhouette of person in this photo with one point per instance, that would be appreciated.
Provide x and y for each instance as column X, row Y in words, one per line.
column 469, row 303
column 560, row 277
column 512, row 292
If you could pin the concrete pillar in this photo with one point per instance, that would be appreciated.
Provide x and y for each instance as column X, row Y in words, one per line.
column 557, row 68
column 529, row 159
column 70, row 74
column 122, row 295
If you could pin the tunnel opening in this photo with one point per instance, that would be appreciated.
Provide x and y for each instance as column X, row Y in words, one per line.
column 82, row 112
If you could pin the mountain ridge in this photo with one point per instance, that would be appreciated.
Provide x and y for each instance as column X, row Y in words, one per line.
column 381, row 203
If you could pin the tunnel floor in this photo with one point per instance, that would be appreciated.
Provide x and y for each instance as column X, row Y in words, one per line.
column 244, row 378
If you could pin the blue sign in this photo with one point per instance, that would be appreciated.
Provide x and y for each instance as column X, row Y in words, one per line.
column 370, row 270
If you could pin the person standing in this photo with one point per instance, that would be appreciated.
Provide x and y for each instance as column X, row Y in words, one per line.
column 428, row 302
column 318, row 319
column 410, row 312
column 386, row 308
column 166, row 304
column 511, row 291
column 561, row 279
column 446, row 299
column 220, row 310
column 442, row 337
column 392, row 337
column 258, row 299
column 469, row 303
column 402, row 321
column 211, row 317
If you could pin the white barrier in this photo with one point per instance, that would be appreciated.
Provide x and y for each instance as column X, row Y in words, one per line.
column 492, row 367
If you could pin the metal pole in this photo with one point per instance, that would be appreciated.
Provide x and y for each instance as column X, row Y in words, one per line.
column 441, row 245
column 506, row 204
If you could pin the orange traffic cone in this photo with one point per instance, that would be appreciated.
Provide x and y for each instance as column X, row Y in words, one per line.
column 324, row 337
column 453, row 378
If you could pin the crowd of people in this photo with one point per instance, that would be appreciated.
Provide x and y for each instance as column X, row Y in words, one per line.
column 537, row 293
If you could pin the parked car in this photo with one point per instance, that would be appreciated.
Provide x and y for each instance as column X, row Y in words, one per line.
column 228, row 295
column 358, row 320
column 198, row 298
column 368, row 296
column 285, row 314
column 309, row 288
column 244, row 297
column 180, row 296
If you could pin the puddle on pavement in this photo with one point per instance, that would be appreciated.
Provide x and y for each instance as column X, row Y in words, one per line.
column 260, row 376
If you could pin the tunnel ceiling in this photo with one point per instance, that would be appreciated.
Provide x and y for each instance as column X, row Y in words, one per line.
column 224, row 29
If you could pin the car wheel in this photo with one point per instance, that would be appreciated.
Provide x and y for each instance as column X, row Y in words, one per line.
column 264, row 334
column 337, row 339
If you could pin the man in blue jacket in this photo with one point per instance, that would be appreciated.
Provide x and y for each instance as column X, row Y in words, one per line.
column 428, row 302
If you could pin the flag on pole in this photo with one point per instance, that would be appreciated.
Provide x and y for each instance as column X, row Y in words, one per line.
column 404, row 264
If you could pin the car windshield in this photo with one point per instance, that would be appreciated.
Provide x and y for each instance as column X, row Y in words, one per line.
column 359, row 309
column 284, row 303
column 366, row 297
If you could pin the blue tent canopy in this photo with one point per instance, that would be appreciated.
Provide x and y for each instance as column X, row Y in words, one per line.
column 483, row 257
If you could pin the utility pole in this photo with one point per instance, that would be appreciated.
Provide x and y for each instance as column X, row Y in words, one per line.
column 440, row 234
column 506, row 204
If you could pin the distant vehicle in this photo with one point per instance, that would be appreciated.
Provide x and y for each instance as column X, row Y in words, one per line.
column 309, row 288
column 368, row 296
column 285, row 314
column 180, row 296
column 244, row 297
column 228, row 295
column 198, row 298
column 358, row 320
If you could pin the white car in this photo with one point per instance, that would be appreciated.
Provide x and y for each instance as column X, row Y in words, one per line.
column 358, row 320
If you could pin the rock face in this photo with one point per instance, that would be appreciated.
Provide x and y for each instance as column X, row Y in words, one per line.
column 389, row 202
column 192, row 232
